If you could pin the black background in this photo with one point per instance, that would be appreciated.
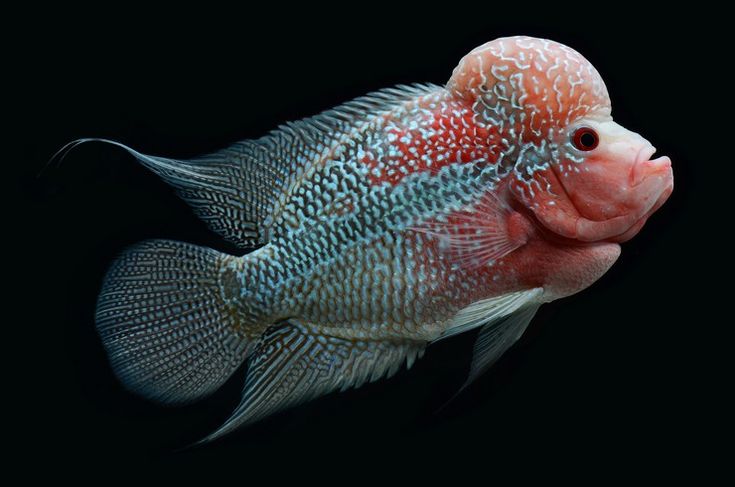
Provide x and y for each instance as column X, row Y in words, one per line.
column 618, row 379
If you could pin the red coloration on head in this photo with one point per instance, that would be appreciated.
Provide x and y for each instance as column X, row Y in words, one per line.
column 583, row 176
column 614, row 188
column 527, row 86
column 540, row 112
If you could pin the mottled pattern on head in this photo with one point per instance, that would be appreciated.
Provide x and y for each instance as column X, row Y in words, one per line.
column 392, row 221
column 525, row 87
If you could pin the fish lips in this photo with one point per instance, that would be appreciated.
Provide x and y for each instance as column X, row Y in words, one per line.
column 652, row 176
column 650, row 183
column 638, row 225
column 645, row 167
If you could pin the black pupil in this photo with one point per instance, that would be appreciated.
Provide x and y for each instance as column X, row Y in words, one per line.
column 587, row 139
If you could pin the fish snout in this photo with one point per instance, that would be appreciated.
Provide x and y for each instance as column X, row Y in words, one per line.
column 645, row 167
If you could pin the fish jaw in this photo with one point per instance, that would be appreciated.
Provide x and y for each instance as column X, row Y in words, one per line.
column 668, row 189
column 649, row 184
column 605, row 194
column 645, row 166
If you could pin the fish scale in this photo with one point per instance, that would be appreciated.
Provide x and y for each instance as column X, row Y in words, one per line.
column 326, row 162
column 373, row 229
column 298, row 261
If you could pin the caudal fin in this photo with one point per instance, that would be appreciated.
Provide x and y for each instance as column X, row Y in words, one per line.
column 169, row 333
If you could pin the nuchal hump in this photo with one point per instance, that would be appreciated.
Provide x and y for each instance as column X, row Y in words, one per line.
column 368, row 231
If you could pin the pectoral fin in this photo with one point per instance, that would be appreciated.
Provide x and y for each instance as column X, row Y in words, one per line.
column 479, row 234
column 294, row 363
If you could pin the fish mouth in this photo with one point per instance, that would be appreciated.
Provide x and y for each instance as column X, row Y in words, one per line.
column 644, row 166
column 651, row 182
column 653, row 176
column 638, row 225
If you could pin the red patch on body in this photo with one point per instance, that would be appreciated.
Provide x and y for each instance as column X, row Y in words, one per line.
column 434, row 135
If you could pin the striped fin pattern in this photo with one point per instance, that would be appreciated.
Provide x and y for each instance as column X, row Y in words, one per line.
column 162, row 319
column 297, row 151
column 476, row 235
column 256, row 175
column 495, row 338
column 234, row 190
column 489, row 310
column 294, row 363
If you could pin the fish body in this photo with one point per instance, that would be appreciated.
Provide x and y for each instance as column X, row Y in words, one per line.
column 383, row 225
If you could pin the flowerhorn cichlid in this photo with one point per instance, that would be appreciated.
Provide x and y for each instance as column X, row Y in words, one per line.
column 380, row 226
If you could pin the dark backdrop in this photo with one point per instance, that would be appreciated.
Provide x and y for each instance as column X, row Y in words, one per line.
column 617, row 378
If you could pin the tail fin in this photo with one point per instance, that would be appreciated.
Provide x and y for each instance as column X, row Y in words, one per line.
column 165, row 324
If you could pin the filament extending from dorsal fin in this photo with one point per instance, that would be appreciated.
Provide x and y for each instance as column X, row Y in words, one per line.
column 223, row 189
column 149, row 161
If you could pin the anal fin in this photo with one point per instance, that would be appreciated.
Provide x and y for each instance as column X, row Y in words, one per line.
column 294, row 363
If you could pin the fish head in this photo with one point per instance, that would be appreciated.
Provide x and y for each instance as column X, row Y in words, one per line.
column 548, row 114
column 602, row 184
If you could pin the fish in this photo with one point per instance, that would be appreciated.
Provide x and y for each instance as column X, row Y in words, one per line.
column 378, row 227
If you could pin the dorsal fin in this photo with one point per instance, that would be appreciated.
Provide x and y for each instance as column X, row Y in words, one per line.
column 297, row 147
column 234, row 190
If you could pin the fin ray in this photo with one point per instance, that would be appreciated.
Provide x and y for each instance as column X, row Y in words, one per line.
column 476, row 235
column 235, row 190
column 171, row 353
column 488, row 310
column 294, row 363
column 496, row 338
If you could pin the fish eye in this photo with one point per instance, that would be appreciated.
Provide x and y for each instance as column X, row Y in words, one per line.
column 585, row 139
